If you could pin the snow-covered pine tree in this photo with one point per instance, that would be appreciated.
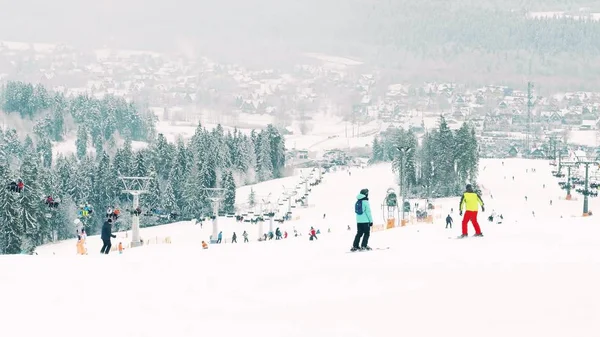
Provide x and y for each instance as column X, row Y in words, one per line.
column 123, row 160
column 168, row 201
column 277, row 150
column 427, row 167
column 31, row 199
column 411, row 159
column 81, row 142
column 13, row 145
column 264, row 165
column 445, row 144
column 105, row 183
column 183, row 157
column 180, row 170
column 81, row 181
column 377, row 155
column 11, row 232
column 139, row 165
column 63, row 170
column 250, row 158
column 192, row 194
column 61, row 218
column 252, row 198
column 221, row 151
column 152, row 198
column 44, row 150
column 462, row 155
column 228, row 183
column 163, row 156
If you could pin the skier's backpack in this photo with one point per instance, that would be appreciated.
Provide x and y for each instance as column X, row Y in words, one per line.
column 358, row 207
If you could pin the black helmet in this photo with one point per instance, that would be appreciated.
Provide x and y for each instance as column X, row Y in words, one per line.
column 469, row 188
column 364, row 191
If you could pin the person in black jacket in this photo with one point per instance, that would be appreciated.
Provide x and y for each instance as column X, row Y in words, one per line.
column 449, row 221
column 105, row 236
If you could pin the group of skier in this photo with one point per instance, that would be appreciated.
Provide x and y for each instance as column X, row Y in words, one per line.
column 470, row 202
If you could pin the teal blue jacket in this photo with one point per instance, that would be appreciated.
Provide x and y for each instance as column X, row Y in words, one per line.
column 365, row 217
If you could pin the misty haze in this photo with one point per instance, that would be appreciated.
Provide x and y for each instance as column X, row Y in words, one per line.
column 189, row 168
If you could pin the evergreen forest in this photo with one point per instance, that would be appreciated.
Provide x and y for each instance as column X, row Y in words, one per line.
column 90, row 176
column 440, row 165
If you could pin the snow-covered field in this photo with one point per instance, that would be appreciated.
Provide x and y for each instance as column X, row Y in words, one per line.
column 530, row 276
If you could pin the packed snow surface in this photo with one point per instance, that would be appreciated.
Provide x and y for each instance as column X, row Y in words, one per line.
column 529, row 276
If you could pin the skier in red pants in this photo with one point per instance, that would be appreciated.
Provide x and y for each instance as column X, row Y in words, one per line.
column 470, row 201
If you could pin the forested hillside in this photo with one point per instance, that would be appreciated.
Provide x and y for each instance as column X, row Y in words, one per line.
column 55, row 115
column 464, row 41
column 211, row 158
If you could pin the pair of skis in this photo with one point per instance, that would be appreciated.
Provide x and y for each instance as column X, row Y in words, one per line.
column 372, row 249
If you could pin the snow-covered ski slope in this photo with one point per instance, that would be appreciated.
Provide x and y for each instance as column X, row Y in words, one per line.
column 528, row 276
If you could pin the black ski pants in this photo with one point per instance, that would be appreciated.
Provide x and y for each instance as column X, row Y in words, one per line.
column 234, row 240
column 105, row 246
column 362, row 230
column 245, row 240
column 448, row 223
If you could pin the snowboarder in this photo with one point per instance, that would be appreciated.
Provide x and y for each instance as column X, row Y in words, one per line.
column 470, row 201
column 449, row 221
column 105, row 236
column 364, row 221
column 234, row 238
column 245, row 235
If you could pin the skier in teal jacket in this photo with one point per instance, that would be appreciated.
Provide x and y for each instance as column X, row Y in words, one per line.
column 364, row 221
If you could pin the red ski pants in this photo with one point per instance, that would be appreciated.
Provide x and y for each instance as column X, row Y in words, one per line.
column 470, row 216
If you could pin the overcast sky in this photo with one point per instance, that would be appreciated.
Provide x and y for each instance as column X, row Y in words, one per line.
column 156, row 24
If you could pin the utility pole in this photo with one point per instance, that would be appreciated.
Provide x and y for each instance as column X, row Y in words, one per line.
column 529, row 106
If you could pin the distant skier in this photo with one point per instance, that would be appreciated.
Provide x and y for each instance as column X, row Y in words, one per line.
column 105, row 236
column 313, row 234
column 364, row 221
column 234, row 238
column 470, row 201
column 449, row 221
column 219, row 237
column 550, row 202
column 245, row 235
